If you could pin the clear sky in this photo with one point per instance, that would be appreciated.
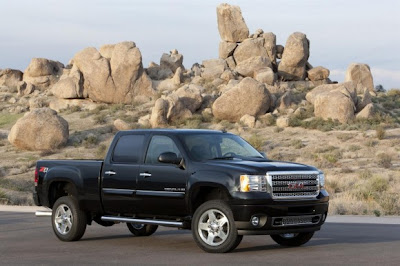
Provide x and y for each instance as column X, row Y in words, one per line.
column 340, row 32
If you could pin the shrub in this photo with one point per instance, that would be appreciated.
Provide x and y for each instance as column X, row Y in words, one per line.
column 256, row 141
column 345, row 136
column 9, row 119
column 101, row 151
column 278, row 129
column 297, row 143
column 385, row 160
column 380, row 133
column 100, row 119
column 365, row 174
column 90, row 141
column 354, row 148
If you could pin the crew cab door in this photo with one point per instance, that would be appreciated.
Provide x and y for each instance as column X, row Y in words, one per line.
column 161, row 187
column 120, row 173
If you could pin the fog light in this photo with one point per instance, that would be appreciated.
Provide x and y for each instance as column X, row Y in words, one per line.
column 255, row 221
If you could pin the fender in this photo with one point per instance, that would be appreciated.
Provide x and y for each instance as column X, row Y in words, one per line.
column 218, row 179
column 67, row 174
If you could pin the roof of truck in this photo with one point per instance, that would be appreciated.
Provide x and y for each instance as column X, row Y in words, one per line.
column 177, row 131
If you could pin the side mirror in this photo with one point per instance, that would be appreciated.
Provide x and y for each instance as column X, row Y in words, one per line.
column 264, row 154
column 169, row 157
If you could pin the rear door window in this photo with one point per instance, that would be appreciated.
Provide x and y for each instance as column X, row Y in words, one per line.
column 128, row 149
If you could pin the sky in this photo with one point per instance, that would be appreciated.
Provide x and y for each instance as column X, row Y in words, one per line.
column 340, row 32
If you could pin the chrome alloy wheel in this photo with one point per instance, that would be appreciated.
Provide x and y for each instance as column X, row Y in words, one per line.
column 63, row 219
column 213, row 227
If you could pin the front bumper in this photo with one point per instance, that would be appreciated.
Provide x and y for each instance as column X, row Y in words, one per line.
column 280, row 217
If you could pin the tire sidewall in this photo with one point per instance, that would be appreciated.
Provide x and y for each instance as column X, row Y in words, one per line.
column 231, row 242
column 78, row 223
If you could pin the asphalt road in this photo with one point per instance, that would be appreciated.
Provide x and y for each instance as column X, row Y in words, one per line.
column 26, row 239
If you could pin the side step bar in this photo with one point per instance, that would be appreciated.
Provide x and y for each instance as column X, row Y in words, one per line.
column 141, row 221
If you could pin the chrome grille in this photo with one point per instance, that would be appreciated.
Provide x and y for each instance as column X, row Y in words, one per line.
column 293, row 185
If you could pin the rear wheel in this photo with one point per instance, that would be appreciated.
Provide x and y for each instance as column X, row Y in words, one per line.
column 213, row 227
column 68, row 221
column 292, row 239
column 142, row 229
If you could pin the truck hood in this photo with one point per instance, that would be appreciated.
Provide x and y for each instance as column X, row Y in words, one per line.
column 256, row 166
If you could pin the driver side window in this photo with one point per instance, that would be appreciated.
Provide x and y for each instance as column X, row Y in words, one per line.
column 159, row 145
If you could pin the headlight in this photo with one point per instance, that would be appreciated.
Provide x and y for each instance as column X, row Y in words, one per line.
column 321, row 178
column 253, row 183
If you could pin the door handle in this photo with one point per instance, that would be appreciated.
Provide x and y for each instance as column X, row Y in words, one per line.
column 110, row 172
column 145, row 174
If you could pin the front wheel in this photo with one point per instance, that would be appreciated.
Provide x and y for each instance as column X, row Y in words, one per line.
column 213, row 227
column 69, row 222
column 142, row 229
column 292, row 239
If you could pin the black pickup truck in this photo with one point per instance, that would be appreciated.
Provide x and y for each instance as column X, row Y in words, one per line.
column 211, row 182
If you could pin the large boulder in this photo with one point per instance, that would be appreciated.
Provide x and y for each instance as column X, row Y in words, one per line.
column 335, row 104
column 250, row 48
column 318, row 73
column 43, row 72
column 179, row 105
column 226, row 49
column 294, row 58
column 10, row 77
column 231, row 25
column 40, row 129
column 172, row 61
column 367, row 112
column 213, row 68
column 248, row 97
column 311, row 96
column 270, row 47
column 253, row 65
column 106, row 50
column 360, row 74
column 119, row 80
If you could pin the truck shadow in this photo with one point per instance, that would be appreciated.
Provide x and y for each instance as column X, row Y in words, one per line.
column 343, row 233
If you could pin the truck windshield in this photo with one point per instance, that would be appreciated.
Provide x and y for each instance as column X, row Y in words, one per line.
column 222, row 146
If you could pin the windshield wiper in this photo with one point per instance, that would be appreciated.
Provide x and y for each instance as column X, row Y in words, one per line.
column 223, row 158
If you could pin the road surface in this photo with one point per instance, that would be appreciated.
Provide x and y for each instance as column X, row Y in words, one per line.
column 26, row 239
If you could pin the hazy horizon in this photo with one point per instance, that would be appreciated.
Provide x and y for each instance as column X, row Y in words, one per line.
column 340, row 32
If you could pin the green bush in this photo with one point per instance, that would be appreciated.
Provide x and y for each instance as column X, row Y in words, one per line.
column 256, row 141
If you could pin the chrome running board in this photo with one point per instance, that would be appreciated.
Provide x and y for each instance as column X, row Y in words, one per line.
column 141, row 221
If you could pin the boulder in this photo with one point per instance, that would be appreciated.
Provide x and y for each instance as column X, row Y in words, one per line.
column 318, row 73
column 121, row 125
column 213, row 69
column 158, row 116
column 42, row 72
column 231, row 62
column 310, row 96
column 367, row 112
column 40, row 129
column 227, row 75
column 250, row 48
column 226, row 49
column 285, row 101
column 190, row 96
column 172, row 61
column 70, row 86
column 119, row 80
column 231, row 25
column 266, row 75
column 10, row 77
column 270, row 47
column 360, row 74
column 363, row 100
column 335, row 104
column 248, row 97
column 294, row 58
column 253, row 65
column 107, row 50
column 248, row 120
column 283, row 121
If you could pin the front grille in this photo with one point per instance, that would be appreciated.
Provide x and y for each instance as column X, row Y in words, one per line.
column 293, row 185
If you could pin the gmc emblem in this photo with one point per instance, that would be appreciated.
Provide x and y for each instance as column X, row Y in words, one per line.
column 296, row 185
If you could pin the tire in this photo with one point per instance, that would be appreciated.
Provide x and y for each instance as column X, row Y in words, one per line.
column 142, row 229
column 292, row 240
column 213, row 227
column 68, row 221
